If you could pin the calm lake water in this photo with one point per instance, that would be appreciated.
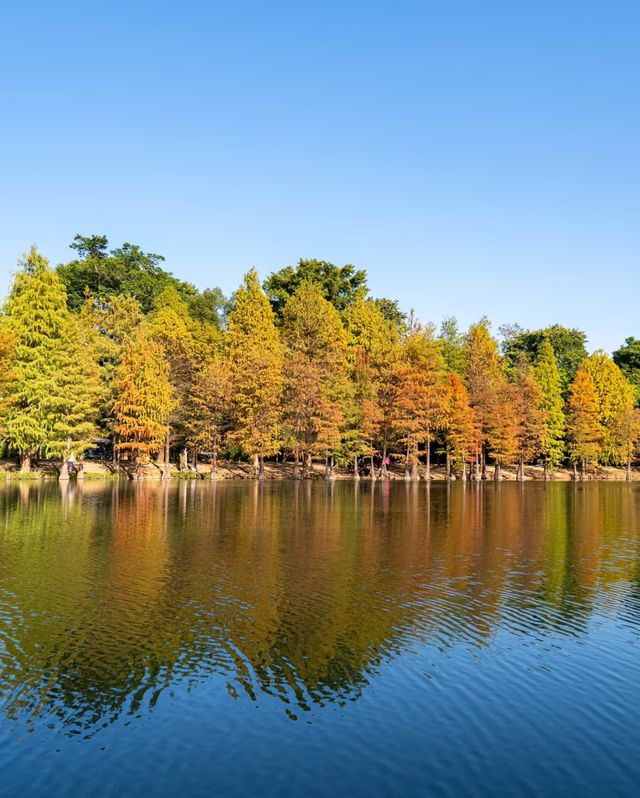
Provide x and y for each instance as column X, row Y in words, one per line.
column 309, row 639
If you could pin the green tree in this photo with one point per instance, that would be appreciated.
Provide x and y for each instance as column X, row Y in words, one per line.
column 452, row 345
column 53, row 390
column 627, row 358
column 340, row 285
column 129, row 271
column 548, row 377
column 569, row 346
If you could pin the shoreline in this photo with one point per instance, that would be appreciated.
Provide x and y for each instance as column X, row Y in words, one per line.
column 238, row 471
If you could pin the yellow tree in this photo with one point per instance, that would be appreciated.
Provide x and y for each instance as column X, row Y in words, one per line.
column 548, row 377
column 373, row 351
column 208, row 408
column 616, row 398
column 484, row 376
column 583, row 423
column 420, row 398
column 256, row 358
column 144, row 399
column 171, row 327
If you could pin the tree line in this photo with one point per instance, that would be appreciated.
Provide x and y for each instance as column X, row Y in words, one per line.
column 305, row 367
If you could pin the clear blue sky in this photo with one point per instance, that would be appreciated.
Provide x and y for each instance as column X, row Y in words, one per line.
column 475, row 157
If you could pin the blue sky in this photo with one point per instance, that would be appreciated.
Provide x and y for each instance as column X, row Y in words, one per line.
column 475, row 157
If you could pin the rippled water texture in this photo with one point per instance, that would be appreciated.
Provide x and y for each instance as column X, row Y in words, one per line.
column 311, row 639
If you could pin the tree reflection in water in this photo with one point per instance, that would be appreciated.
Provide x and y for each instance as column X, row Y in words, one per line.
column 109, row 594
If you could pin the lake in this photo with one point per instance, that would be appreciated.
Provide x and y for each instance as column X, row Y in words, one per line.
column 286, row 639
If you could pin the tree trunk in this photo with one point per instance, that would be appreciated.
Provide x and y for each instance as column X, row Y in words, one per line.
column 355, row 468
column 64, row 471
column 261, row 468
column 407, row 473
column 447, row 466
column 383, row 470
column 415, row 476
column 327, row 472
column 25, row 464
column 427, row 471
column 545, row 474
column 629, row 474
column 497, row 473
column 583, row 469
column 167, row 454
column 80, row 471
column 296, row 465
column 575, row 471
column 521, row 470
column 464, row 470
column 214, row 466
column 373, row 472
column 483, row 462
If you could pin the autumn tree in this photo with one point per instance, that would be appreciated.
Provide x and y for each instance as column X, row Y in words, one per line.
column 485, row 380
column 548, row 377
column 420, row 397
column 461, row 433
column 583, row 423
column 208, row 417
column 112, row 322
column 144, row 399
column 315, row 375
column 531, row 415
column 502, row 426
column 615, row 398
column 256, row 360
column 374, row 352
column 171, row 327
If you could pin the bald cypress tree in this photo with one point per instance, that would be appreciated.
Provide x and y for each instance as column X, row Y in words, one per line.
column 144, row 399
column 52, row 389
column 256, row 362
column 548, row 377
column 583, row 424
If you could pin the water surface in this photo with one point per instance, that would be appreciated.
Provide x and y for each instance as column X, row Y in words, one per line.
column 302, row 638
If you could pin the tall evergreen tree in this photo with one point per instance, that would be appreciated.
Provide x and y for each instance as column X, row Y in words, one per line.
column 53, row 390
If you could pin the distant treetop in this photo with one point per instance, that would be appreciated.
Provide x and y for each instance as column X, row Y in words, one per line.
column 129, row 271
